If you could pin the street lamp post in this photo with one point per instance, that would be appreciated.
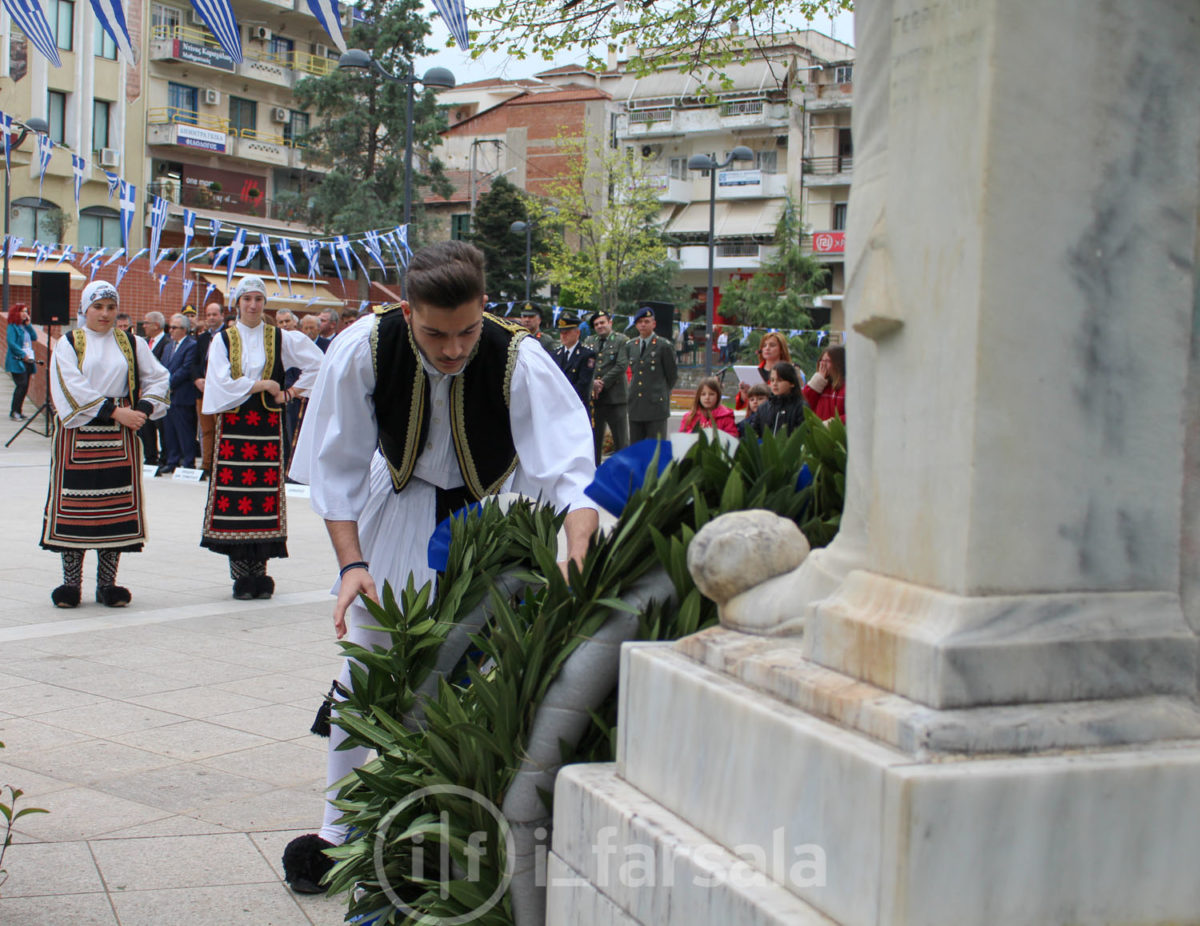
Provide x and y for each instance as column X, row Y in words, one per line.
column 358, row 60
column 526, row 228
column 39, row 127
column 710, row 163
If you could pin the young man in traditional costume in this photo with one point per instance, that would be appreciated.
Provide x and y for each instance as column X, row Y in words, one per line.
column 246, row 515
column 105, row 384
column 419, row 409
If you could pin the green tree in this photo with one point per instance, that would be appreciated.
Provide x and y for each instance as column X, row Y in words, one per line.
column 495, row 212
column 605, row 223
column 659, row 284
column 664, row 34
column 781, row 293
column 359, row 128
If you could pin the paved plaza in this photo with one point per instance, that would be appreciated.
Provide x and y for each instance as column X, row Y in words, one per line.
column 169, row 739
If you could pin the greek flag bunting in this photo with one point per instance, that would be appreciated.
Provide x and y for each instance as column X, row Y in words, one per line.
column 162, row 281
column 140, row 254
column 187, row 289
column 821, row 336
column 745, row 332
column 67, row 253
column 336, row 265
column 121, row 271
column 371, row 243
column 266, row 252
column 44, row 147
column 208, row 292
column 402, row 239
column 285, row 254
column 39, row 252
column 87, row 256
column 78, row 168
column 215, row 225
column 189, row 230
column 235, row 252
column 112, row 19
column 158, row 219
column 251, row 253
column 218, row 16
column 330, row 18
column 6, row 127
column 114, row 183
column 454, row 15
column 29, row 16
column 312, row 251
column 117, row 255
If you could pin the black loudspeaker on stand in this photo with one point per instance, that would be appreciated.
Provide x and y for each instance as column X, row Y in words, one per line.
column 51, row 306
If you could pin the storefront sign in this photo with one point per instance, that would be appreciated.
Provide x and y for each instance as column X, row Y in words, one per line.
column 191, row 136
column 829, row 242
column 227, row 190
column 739, row 178
column 202, row 54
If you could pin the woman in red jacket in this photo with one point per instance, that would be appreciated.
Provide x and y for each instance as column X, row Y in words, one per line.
column 707, row 410
column 825, row 391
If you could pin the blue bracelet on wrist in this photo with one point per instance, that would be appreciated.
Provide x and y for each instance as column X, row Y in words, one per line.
column 358, row 565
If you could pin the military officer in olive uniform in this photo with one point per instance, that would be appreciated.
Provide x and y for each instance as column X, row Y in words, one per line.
column 575, row 360
column 610, row 391
column 531, row 318
column 653, row 361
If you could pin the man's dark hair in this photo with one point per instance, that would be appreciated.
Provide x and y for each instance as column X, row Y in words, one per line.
column 445, row 275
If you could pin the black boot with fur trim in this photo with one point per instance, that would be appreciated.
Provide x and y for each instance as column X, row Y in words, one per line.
column 305, row 864
column 113, row 596
column 264, row 586
column 244, row 588
column 65, row 596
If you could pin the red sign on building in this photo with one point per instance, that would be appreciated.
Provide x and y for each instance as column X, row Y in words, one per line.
column 829, row 242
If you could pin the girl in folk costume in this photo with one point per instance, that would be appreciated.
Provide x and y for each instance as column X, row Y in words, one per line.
column 104, row 384
column 246, row 515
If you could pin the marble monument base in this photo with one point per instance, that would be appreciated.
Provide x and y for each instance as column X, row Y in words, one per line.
column 843, row 828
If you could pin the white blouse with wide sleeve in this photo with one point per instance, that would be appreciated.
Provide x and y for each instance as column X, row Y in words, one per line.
column 78, row 393
column 222, row 392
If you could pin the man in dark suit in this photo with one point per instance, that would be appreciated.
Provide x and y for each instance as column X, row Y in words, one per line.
column 610, row 392
column 575, row 360
column 151, row 433
column 178, row 357
column 654, row 373
column 214, row 320
column 328, row 320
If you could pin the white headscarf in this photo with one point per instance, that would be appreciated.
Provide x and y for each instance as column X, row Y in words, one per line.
column 248, row 284
column 94, row 291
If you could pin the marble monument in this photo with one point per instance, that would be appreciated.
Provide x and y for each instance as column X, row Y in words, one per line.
column 979, row 704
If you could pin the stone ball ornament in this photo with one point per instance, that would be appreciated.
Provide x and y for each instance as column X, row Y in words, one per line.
column 743, row 549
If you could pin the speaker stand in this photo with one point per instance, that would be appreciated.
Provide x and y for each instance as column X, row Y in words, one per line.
column 45, row 406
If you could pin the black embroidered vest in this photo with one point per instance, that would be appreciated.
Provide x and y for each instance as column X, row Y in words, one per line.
column 272, row 346
column 479, row 402
column 125, row 345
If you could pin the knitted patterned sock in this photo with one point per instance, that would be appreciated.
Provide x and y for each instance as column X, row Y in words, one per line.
column 72, row 561
column 106, row 569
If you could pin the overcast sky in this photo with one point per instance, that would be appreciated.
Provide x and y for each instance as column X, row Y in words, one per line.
column 498, row 65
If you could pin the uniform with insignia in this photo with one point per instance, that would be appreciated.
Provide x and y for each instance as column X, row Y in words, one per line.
column 527, row 314
column 652, row 360
column 578, row 362
column 609, row 404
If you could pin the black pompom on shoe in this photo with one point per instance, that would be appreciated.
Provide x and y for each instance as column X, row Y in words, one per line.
column 243, row 588
column 65, row 596
column 305, row 864
column 113, row 596
column 264, row 586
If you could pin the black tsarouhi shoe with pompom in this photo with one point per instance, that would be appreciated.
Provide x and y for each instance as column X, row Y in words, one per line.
column 305, row 864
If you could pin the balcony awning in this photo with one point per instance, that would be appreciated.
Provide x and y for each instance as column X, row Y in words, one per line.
column 738, row 219
column 694, row 219
column 20, row 271
column 304, row 295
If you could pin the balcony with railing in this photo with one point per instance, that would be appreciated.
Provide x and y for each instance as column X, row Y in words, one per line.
column 671, row 189
column 828, row 171
column 201, row 196
column 170, row 125
column 647, row 123
column 195, row 45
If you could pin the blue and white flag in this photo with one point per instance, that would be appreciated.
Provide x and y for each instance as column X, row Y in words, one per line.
column 189, row 230
column 78, row 168
column 251, row 253
column 795, row 333
column 158, row 219
column 44, row 147
column 285, row 254
column 208, row 292
column 112, row 20
column 29, row 16
column 121, row 271
column 218, row 16
column 215, row 225
column 68, row 253
column 402, row 239
column 371, row 243
column 397, row 253
column 114, row 183
column 40, row 252
column 821, row 336
column 140, row 254
column 343, row 247
column 363, row 305
column 555, row 311
column 187, row 289
column 87, row 256
column 6, row 127
column 454, row 15
column 128, row 207
column 235, row 252
column 265, row 241
column 330, row 18
column 162, row 282
column 312, row 251
column 336, row 265
column 746, row 329
column 117, row 255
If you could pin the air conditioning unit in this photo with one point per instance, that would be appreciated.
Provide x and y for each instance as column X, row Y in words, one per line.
column 110, row 157
column 260, row 33
column 196, row 19
column 280, row 114
column 320, row 51
column 212, row 97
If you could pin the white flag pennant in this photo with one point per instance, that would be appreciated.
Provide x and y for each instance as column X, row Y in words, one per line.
column 330, row 18
column 235, row 252
column 162, row 281
column 78, row 168
column 29, row 16
column 187, row 289
column 112, row 20
column 454, row 14
column 121, row 271
column 265, row 241
column 218, row 16
column 158, row 220
column 44, row 147
column 128, row 205
column 114, row 183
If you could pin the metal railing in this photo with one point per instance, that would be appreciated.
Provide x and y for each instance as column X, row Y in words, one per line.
column 836, row 164
column 742, row 108
column 650, row 115
column 300, row 61
column 166, row 115
column 737, row 249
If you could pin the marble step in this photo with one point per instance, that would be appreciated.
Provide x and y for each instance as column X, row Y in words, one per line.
column 621, row 859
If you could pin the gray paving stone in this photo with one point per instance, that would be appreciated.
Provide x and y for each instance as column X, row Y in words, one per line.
column 50, row 869
column 156, row 862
